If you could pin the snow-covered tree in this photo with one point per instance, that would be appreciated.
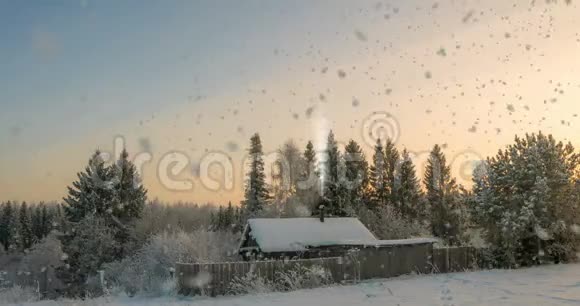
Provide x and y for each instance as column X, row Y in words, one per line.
column 42, row 219
column 309, row 185
column 309, row 156
column 378, row 177
column 46, row 218
column 334, row 197
column 356, row 174
column 36, row 217
column 25, row 234
column 526, row 200
column 256, row 195
column 408, row 190
column 93, row 192
column 7, row 226
column 392, row 160
column 86, row 248
column 130, row 195
column 108, row 198
column 442, row 196
column 293, row 165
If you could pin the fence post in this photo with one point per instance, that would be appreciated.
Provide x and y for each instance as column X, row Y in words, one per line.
column 102, row 280
column 447, row 262
column 43, row 285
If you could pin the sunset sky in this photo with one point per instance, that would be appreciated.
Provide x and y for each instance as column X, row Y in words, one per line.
column 200, row 77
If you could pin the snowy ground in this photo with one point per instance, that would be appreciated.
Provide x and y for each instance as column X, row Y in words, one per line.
column 550, row 285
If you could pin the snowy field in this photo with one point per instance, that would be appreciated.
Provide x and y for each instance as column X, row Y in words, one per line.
column 550, row 285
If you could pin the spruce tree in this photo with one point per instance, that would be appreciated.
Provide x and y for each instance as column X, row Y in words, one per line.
column 239, row 220
column 130, row 195
column 256, row 195
column 229, row 217
column 527, row 200
column 212, row 221
column 408, row 189
column 333, row 197
column 91, row 244
column 442, row 196
column 37, row 226
column 309, row 187
column 377, row 177
column 356, row 174
column 103, row 191
column 220, row 218
column 46, row 218
column 25, row 228
column 92, row 193
column 392, row 158
column 310, row 159
column 7, row 224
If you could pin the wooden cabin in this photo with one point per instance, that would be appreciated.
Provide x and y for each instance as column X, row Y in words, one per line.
column 292, row 238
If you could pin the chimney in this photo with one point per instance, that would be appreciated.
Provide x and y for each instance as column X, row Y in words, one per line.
column 321, row 210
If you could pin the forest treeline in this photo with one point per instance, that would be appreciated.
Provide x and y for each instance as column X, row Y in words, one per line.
column 524, row 208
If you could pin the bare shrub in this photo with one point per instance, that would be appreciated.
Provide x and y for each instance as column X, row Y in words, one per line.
column 17, row 295
column 47, row 253
column 386, row 224
column 300, row 277
column 303, row 278
column 149, row 270
column 250, row 283
column 159, row 217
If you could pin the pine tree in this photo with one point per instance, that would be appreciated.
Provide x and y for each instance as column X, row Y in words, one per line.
column 46, row 219
column 91, row 244
column 528, row 202
column 93, row 193
column 392, row 159
column 309, row 187
column 238, row 220
column 356, row 174
column 109, row 194
column 333, row 189
column 256, row 194
column 220, row 219
column 213, row 221
column 377, row 177
column 25, row 227
column 310, row 159
column 408, row 189
column 7, row 224
column 442, row 197
column 130, row 195
column 37, row 225
column 229, row 216
column 114, row 191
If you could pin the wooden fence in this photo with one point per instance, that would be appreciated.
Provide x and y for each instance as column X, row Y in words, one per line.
column 394, row 261
column 369, row 263
column 45, row 282
column 215, row 278
column 458, row 259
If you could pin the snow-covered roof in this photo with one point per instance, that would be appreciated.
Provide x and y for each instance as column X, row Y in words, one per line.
column 299, row 234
